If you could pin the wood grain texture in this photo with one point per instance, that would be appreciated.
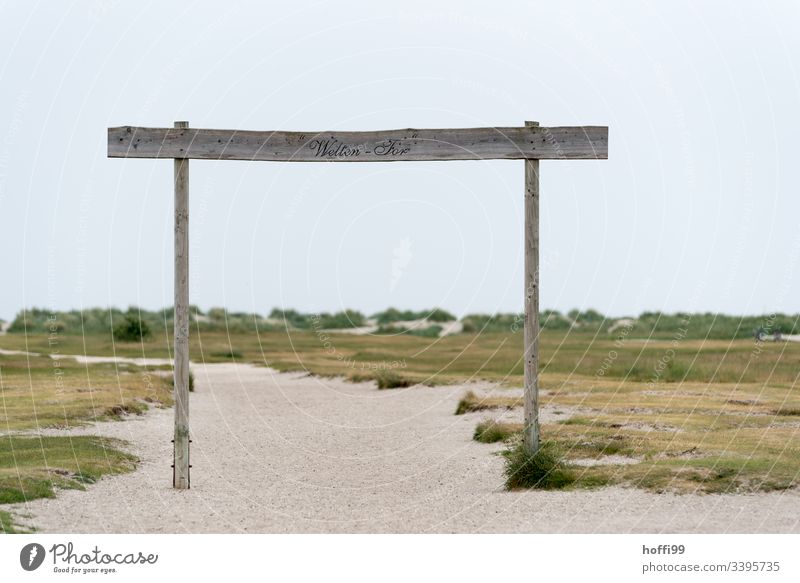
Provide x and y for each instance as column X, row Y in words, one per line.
column 568, row 143
column 531, row 326
column 181, row 434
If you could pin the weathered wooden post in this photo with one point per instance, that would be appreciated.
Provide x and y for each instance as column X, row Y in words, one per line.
column 531, row 332
column 181, row 321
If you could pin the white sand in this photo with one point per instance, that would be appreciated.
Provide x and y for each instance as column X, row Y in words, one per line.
column 84, row 359
column 290, row 453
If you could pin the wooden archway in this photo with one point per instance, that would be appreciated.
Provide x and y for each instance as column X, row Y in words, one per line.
column 530, row 143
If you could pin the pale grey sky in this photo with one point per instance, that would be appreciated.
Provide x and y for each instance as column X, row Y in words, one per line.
column 696, row 209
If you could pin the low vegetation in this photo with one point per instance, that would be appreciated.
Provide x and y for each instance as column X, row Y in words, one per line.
column 471, row 403
column 323, row 321
column 33, row 467
column 131, row 329
column 43, row 392
column 493, row 431
column 391, row 315
column 8, row 525
column 546, row 469
column 694, row 400
column 482, row 323
column 651, row 325
column 389, row 379
column 227, row 355
column 40, row 392
column 427, row 332
column 788, row 411
column 685, row 438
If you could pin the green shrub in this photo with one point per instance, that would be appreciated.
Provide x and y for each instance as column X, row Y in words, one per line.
column 440, row 315
column 292, row 318
column 657, row 325
column 553, row 320
column 586, row 317
column 131, row 329
column 548, row 319
column 394, row 315
column 473, row 323
column 340, row 320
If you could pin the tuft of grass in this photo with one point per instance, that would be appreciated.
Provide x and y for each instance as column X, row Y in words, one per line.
column 471, row 403
column 389, row 379
column 228, row 354
column 788, row 411
column 358, row 377
column 132, row 329
column 117, row 412
column 543, row 470
column 494, row 431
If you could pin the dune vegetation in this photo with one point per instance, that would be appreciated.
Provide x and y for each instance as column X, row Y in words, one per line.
column 686, row 403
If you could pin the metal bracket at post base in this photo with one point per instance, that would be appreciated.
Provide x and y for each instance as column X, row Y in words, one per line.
column 189, row 475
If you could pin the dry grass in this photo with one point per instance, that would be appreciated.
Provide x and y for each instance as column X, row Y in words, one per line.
column 721, row 416
column 38, row 392
column 492, row 356
column 690, row 437
column 389, row 379
column 490, row 431
column 32, row 467
column 472, row 402
column 546, row 469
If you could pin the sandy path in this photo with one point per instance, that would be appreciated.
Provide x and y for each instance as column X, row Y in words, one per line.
column 285, row 453
column 84, row 359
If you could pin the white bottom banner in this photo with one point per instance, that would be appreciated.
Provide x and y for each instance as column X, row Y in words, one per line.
column 402, row 558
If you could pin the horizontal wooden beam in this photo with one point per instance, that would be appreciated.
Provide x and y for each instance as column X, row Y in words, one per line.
column 557, row 143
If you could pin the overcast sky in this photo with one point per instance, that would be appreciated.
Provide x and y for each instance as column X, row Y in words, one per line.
column 696, row 208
